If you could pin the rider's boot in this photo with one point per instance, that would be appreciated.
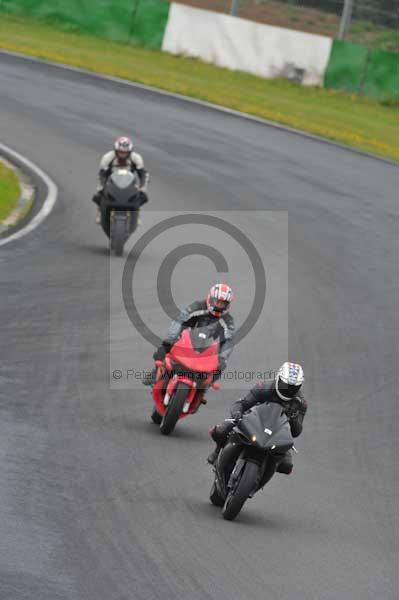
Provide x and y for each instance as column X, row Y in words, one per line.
column 220, row 440
column 285, row 465
column 212, row 458
column 149, row 378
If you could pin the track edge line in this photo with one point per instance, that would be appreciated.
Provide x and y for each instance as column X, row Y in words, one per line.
column 48, row 204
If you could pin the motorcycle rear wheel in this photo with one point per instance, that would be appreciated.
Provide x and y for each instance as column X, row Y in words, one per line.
column 239, row 494
column 174, row 409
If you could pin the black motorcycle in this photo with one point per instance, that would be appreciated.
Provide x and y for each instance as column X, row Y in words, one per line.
column 120, row 204
column 256, row 445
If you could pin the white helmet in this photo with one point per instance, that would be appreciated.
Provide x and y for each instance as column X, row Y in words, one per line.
column 123, row 147
column 289, row 380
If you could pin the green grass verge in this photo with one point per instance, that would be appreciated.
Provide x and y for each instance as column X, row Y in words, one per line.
column 351, row 120
column 9, row 191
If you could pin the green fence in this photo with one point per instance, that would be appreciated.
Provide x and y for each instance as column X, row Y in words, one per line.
column 382, row 74
column 361, row 70
column 352, row 67
column 149, row 22
column 140, row 21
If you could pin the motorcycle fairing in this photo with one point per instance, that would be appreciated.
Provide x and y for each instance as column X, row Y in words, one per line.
column 261, row 433
column 266, row 426
column 205, row 361
column 188, row 382
column 184, row 353
column 121, row 191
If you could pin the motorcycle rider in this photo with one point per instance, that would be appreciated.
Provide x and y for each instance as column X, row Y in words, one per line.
column 285, row 390
column 202, row 313
column 123, row 155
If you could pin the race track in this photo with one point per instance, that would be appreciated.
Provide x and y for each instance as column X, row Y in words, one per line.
column 94, row 503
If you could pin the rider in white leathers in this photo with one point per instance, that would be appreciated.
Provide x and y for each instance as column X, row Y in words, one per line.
column 123, row 156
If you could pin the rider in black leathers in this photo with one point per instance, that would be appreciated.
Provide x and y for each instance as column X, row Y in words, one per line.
column 214, row 309
column 285, row 390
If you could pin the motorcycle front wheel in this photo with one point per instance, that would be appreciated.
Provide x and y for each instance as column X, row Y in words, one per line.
column 240, row 492
column 118, row 236
column 174, row 409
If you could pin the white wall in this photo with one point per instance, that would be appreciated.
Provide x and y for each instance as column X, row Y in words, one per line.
column 243, row 45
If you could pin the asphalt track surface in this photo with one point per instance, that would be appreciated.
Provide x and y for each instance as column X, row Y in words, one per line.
column 94, row 503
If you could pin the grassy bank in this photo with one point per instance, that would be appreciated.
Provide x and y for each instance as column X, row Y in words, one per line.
column 9, row 191
column 355, row 121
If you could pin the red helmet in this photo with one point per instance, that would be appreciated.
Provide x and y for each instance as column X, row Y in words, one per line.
column 218, row 300
column 123, row 147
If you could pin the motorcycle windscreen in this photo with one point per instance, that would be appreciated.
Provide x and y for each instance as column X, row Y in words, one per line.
column 184, row 353
column 203, row 338
column 122, row 178
column 267, row 425
column 121, row 188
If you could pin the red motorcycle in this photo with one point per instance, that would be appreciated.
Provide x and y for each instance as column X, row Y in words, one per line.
column 183, row 377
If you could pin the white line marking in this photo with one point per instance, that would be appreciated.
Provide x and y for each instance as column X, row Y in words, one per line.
column 48, row 204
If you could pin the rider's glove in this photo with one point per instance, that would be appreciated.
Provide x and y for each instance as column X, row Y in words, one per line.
column 236, row 414
column 143, row 198
column 160, row 353
column 222, row 363
column 292, row 413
